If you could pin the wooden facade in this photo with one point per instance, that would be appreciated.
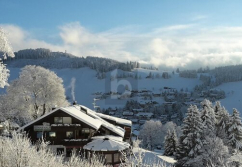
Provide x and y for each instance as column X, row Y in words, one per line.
column 65, row 132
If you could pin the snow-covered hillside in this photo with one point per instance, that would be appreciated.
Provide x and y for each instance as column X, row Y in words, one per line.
column 233, row 98
column 87, row 83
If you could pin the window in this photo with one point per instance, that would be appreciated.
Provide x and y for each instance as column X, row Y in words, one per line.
column 116, row 157
column 62, row 120
column 85, row 130
column 108, row 158
column 69, row 134
column 39, row 135
column 52, row 134
column 67, row 120
column 58, row 120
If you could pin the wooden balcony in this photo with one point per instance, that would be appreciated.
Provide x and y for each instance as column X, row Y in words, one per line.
column 69, row 142
column 66, row 126
column 75, row 142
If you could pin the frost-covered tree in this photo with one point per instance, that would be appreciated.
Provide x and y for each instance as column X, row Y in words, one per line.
column 171, row 126
column 235, row 131
column 171, row 143
column 151, row 134
column 5, row 50
column 190, row 142
column 15, row 109
column 20, row 152
column 235, row 159
column 214, row 152
column 222, row 122
column 36, row 91
column 208, row 118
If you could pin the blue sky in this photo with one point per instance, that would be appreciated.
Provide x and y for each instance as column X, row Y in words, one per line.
column 167, row 33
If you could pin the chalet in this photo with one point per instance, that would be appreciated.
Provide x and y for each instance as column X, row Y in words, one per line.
column 128, row 113
column 74, row 127
column 138, row 110
column 170, row 98
column 142, row 103
column 163, row 118
column 156, row 94
column 142, row 121
column 145, row 115
column 134, row 121
column 134, row 91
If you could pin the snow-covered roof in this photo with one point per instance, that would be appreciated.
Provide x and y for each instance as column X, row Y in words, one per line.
column 174, row 116
column 90, row 118
column 116, row 129
column 147, row 114
column 106, row 143
column 139, row 110
column 134, row 120
column 128, row 113
column 117, row 120
column 75, row 112
column 135, row 132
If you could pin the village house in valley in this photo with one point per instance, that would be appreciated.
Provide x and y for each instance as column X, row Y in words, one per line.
column 78, row 128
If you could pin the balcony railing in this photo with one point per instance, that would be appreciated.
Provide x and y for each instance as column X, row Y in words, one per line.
column 75, row 142
column 66, row 125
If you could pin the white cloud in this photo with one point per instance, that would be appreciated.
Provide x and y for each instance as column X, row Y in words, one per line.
column 188, row 46
column 21, row 39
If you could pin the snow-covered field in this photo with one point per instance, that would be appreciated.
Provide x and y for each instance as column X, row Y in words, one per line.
column 233, row 98
column 87, row 83
column 149, row 157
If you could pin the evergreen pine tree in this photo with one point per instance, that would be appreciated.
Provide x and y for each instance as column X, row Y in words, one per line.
column 170, row 143
column 208, row 118
column 167, row 146
column 217, row 108
column 235, row 131
column 222, row 122
column 190, row 142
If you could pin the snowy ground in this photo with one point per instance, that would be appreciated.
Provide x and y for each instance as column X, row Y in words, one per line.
column 87, row 84
column 233, row 98
column 154, row 156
